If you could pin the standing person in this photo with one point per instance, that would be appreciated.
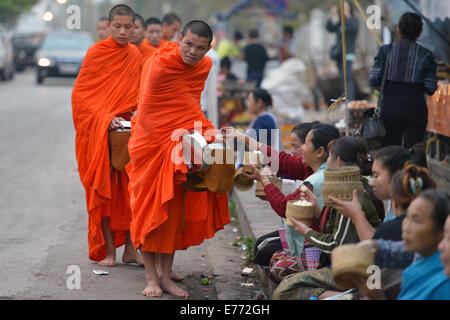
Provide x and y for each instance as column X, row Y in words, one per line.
column 209, row 101
column 165, row 217
column 102, row 28
column 411, row 73
column 153, row 32
column 351, row 32
column 230, row 49
column 104, row 94
column 137, row 38
column 171, row 25
column 256, row 57
column 287, row 49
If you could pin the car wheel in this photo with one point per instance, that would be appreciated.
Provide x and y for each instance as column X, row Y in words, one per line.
column 3, row 75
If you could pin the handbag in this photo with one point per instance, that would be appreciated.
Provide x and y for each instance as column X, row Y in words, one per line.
column 118, row 148
column 336, row 52
column 372, row 128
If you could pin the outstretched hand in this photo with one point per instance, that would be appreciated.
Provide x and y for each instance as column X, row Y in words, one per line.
column 351, row 209
column 309, row 196
column 256, row 175
column 300, row 227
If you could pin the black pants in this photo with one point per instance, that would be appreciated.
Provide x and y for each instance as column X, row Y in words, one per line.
column 263, row 256
column 405, row 114
column 351, row 89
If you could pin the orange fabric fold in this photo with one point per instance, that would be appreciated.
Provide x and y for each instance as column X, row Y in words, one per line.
column 161, row 209
column 146, row 51
column 107, row 86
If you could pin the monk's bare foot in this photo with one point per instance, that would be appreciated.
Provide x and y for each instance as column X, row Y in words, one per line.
column 108, row 262
column 152, row 290
column 176, row 277
column 170, row 287
column 132, row 257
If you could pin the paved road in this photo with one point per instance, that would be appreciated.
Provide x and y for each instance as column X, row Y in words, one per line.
column 43, row 228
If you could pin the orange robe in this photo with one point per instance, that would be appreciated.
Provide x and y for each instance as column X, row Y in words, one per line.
column 146, row 50
column 165, row 217
column 146, row 42
column 107, row 86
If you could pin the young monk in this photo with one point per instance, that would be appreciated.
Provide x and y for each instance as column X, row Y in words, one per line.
column 137, row 38
column 171, row 25
column 153, row 32
column 106, row 92
column 102, row 28
column 165, row 217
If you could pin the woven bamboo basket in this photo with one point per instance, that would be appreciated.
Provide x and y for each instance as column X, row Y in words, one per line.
column 259, row 191
column 255, row 158
column 241, row 181
column 340, row 183
column 349, row 262
column 301, row 213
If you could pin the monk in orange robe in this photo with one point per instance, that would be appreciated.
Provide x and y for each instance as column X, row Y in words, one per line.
column 102, row 28
column 105, row 93
column 171, row 25
column 167, row 218
column 153, row 32
column 137, row 38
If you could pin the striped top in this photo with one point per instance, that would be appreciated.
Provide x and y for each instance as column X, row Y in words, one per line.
column 409, row 62
column 340, row 229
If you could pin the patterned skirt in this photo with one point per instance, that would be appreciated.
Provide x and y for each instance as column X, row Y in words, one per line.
column 304, row 285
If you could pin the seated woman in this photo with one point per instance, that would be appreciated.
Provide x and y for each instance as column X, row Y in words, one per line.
column 315, row 154
column 444, row 247
column 264, row 251
column 406, row 186
column 422, row 233
column 335, row 228
column 388, row 161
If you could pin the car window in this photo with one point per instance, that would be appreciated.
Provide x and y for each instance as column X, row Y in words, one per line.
column 66, row 42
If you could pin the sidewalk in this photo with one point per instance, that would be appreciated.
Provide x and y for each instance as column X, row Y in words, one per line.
column 257, row 218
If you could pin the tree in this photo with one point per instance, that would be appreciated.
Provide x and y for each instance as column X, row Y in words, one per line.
column 10, row 10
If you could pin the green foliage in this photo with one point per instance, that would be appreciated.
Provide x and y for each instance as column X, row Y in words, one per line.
column 250, row 249
column 10, row 10
column 232, row 208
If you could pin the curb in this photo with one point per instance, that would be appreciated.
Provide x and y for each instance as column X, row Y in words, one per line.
column 256, row 218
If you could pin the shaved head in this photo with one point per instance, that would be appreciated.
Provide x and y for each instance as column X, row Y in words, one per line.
column 121, row 10
column 200, row 29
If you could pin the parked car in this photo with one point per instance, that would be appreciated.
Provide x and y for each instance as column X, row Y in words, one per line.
column 61, row 55
column 7, row 68
column 25, row 46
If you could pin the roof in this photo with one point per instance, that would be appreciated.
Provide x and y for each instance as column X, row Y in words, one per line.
column 277, row 7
